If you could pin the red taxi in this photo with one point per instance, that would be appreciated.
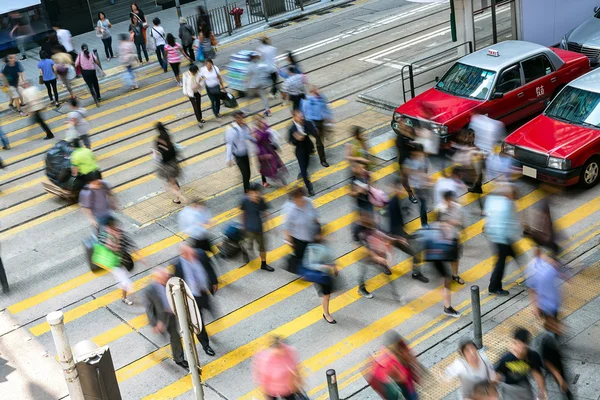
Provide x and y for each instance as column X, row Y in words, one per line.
column 507, row 81
column 562, row 145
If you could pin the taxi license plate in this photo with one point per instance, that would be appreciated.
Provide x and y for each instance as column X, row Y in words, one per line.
column 528, row 171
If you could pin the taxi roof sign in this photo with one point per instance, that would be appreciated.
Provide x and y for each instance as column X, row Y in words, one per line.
column 493, row 53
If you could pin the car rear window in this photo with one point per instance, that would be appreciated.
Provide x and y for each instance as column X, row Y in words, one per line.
column 467, row 81
column 576, row 106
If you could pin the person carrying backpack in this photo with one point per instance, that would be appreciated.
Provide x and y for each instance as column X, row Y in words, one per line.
column 97, row 202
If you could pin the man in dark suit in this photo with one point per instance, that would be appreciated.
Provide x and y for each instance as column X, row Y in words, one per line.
column 195, row 268
column 299, row 136
column 160, row 315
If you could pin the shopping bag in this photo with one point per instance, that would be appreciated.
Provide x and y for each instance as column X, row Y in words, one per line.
column 105, row 258
column 311, row 275
column 200, row 55
column 99, row 71
column 88, row 246
column 229, row 100
column 71, row 73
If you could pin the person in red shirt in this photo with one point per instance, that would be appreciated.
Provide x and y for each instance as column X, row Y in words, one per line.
column 275, row 370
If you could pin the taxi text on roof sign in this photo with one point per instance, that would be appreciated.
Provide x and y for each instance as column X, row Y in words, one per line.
column 493, row 53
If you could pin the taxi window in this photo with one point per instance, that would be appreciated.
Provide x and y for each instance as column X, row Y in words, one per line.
column 509, row 80
column 576, row 106
column 467, row 81
column 536, row 67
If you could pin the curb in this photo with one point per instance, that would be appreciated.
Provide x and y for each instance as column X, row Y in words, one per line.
column 379, row 103
column 297, row 14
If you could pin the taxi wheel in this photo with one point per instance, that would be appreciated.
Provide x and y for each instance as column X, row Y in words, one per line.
column 590, row 173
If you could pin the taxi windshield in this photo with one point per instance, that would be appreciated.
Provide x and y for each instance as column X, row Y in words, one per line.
column 467, row 81
column 576, row 106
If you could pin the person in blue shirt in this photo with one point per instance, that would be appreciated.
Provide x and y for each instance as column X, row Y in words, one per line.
column 48, row 74
column 316, row 111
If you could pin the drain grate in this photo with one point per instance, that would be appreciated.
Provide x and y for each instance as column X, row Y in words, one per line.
column 301, row 19
column 345, row 5
column 281, row 26
column 324, row 12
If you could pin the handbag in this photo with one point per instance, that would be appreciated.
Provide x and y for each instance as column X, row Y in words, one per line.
column 41, row 80
column 229, row 100
column 200, row 55
column 71, row 73
column 314, row 276
column 105, row 258
column 377, row 197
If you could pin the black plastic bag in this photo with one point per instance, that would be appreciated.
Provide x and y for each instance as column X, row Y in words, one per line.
column 58, row 164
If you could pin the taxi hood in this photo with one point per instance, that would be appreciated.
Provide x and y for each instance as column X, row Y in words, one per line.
column 438, row 106
column 556, row 138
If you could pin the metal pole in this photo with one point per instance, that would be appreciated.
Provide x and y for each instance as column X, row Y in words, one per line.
column 452, row 22
column 65, row 356
column 301, row 5
column 332, row 385
column 494, row 26
column 91, row 16
column 178, row 8
column 411, row 80
column 264, row 10
column 476, row 307
column 188, row 341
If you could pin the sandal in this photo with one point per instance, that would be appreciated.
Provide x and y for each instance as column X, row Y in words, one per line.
column 127, row 301
column 458, row 279
column 266, row 185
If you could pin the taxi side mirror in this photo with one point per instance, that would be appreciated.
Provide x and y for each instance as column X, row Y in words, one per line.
column 497, row 96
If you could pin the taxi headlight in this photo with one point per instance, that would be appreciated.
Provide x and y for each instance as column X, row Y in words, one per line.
column 559, row 163
column 397, row 116
column 441, row 130
column 508, row 149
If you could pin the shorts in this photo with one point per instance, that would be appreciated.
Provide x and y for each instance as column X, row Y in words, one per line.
column 13, row 92
column 325, row 289
column 442, row 269
column 257, row 237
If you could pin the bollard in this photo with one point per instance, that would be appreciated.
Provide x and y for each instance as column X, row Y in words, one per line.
column 332, row 385
column 65, row 356
column 476, row 307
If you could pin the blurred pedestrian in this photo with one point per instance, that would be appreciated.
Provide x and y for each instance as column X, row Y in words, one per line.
column 64, row 70
column 128, row 59
column 65, row 39
column 34, row 106
column 98, row 202
column 539, row 226
column 488, row 132
column 503, row 229
column 267, row 143
column 194, row 267
column 3, row 278
column 138, row 15
column 317, row 112
column 417, row 169
column 275, row 370
column 51, row 45
column 203, row 18
column 253, row 209
column 78, row 116
column 291, row 61
column 471, row 368
column 543, row 280
column 174, row 51
column 293, row 87
column 319, row 257
column 237, row 136
column 301, row 222
column 360, row 188
column 452, row 183
column 160, row 315
column 20, row 30
column 357, row 150
column 515, row 368
column 404, row 144
column 257, row 74
column 194, row 220
column 47, row 69
column 298, row 136
column 87, row 62
column 207, row 42
column 450, row 217
column 268, row 53
column 103, row 31
column 13, row 75
column 192, row 87
column 484, row 391
column 397, row 231
column 83, row 163
column 4, row 139
column 169, row 170
column 157, row 32
column 550, row 351
column 187, row 36
column 211, row 76
column 136, row 34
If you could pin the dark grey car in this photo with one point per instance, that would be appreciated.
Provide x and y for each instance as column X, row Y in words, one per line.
column 585, row 39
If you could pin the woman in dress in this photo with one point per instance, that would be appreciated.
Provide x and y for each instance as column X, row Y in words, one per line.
column 103, row 31
column 166, row 154
column 271, row 165
column 214, row 84
column 174, row 51
column 471, row 368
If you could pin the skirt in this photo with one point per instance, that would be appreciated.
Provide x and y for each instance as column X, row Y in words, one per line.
column 169, row 171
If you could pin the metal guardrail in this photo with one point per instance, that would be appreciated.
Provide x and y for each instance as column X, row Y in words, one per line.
column 409, row 69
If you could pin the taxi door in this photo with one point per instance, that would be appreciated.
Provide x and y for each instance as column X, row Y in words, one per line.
column 540, row 82
column 508, row 101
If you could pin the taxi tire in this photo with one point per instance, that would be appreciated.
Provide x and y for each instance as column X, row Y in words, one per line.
column 592, row 165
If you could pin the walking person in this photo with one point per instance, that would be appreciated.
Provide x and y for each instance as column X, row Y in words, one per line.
column 98, row 202
column 298, row 137
column 137, row 14
column 136, row 34
column 65, row 39
column 320, row 258
column 21, row 30
column 268, row 53
column 404, row 145
column 253, row 208
column 158, row 34
column 503, row 229
column 194, row 267
column 4, row 139
column 192, row 86
column 3, row 278
column 207, row 41
column 357, row 150
column 186, row 34
column 83, row 163
column 417, row 169
column 450, row 217
column 211, row 76
column 174, row 51
column 471, row 367
column 551, row 353
column 237, row 136
column 515, row 368
column 64, row 70
column 160, row 315
column 257, row 73
column 166, row 154
column 103, row 31
column 275, row 371
column 301, row 224
column 293, row 88
column 194, row 220
column 267, row 143
column 87, row 62
column 34, row 107
column 78, row 116
column 452, row 183
column 203, row 18
column 47, row 69
column 543, row 280
column 128, row 59
column 317, row 112
column 13, row 75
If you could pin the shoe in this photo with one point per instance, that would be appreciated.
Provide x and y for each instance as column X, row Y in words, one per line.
column 311, row 193
column 325, row 164
column 412, row 198
column 267, row 114
column 266, row 185
column 57, row 104
column 209, row 351
column 386, row 270
column 23, row 57
column 458, row 279
column 271, row 96
column 183, row 364
column 267, row 267
column 328, row 321
column 99, row 98
column 500, row 292
column 6, row 147
column 451, row 312
column 22, row 114
column 420, row 277
column 49, row 137
column 364, row 293
column 176, row 201
column 127, row 301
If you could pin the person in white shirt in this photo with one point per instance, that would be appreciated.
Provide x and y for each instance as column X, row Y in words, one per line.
column 34, row 105
column 257, row 73
column 211, row 77
column 80, row 123
column 192, row 85
column 453, row 183
column 269, row 55
column 488, row 132
column 471, row 368
column 236, row 141
column 157, row 33
column 64, row 38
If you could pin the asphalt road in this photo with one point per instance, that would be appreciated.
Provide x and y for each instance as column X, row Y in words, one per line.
column 41, row 234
